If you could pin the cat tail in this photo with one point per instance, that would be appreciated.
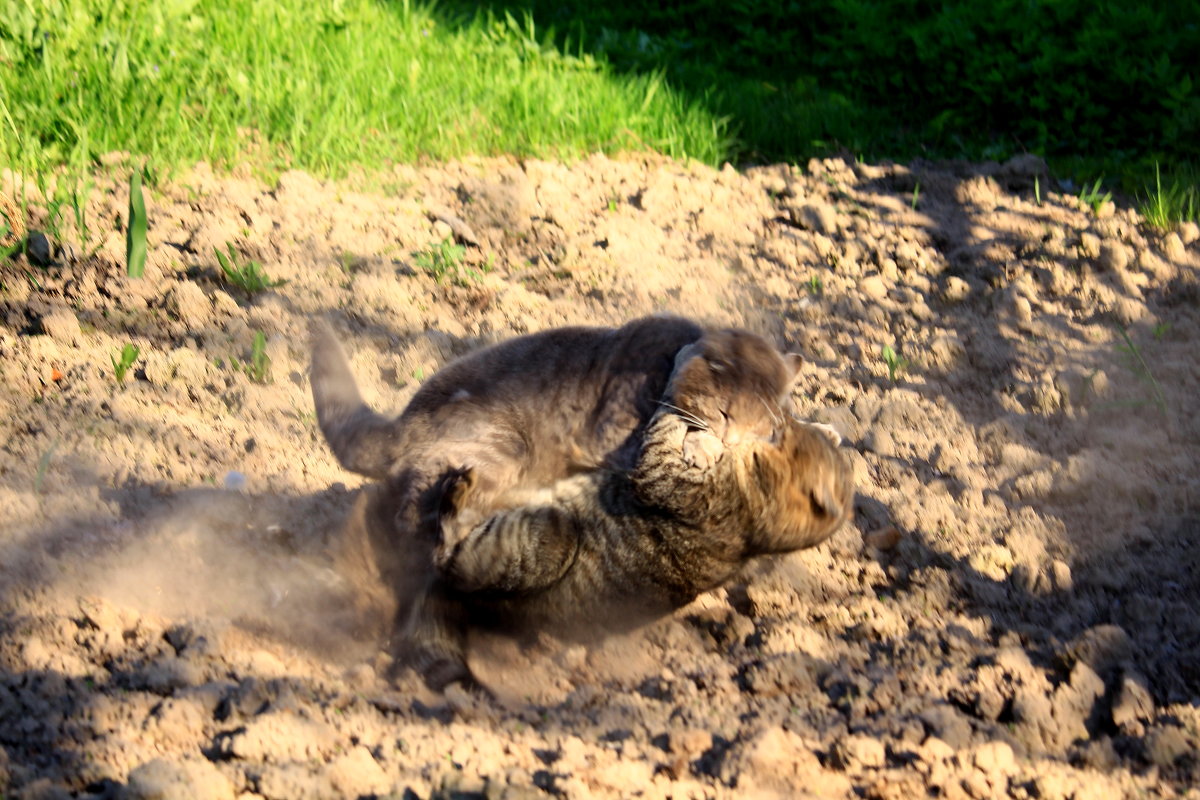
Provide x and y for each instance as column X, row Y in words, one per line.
column 362, row 439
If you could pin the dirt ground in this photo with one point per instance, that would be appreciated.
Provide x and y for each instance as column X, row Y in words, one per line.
column 1011, row 614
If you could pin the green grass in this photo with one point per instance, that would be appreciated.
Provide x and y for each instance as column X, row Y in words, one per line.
column 1166, row 206
column 1099, row 87
column 320, row 86
column 445, row 260
column 250, row 276
column 121, row 365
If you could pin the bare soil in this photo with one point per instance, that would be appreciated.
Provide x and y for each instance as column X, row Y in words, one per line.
column 1013, row 612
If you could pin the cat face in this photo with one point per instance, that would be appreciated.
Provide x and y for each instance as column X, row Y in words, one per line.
column 734, row 384
column 800, row 484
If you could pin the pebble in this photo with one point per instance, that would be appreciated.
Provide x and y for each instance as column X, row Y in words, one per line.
column 1102, row 647
column 860, row 751
column 1173, row 247
column 880, row 442
column 1113, row 256
column 62, row 326
column 1023, row 310
column 37, row 249
column 1089, row 245
column 818, row 217
column 1189, row 232
column 873, row 287
column 956, row 290
column 995, row 758
column 234, row 481
column 1133, row 705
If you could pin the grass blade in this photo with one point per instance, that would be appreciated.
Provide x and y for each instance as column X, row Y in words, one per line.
column 135, row 231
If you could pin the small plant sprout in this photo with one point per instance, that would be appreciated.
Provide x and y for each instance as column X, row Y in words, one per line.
column 1160, row 330
column 916, row 195
column 1165, row 208
column 1092, row 196
column 893, row 361
column 815, row 285
column 249, row 277
column 259, row 367
column 1037, row 190
column 43, row 465
column 135, row 229
column 442, row 260
column 122, row 363
column 1142, row 370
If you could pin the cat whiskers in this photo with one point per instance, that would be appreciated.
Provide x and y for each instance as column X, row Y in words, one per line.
column 688, row 416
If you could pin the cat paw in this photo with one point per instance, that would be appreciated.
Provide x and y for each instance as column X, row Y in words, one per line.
column 702, row 449
column 455, row 488
column 830, row 432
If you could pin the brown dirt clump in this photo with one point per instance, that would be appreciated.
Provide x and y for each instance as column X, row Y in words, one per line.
column 1012, row 612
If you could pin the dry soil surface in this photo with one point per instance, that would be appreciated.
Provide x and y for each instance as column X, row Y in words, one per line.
column 1012, row 613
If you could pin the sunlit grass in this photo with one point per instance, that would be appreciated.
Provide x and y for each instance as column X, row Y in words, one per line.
column 321, row 86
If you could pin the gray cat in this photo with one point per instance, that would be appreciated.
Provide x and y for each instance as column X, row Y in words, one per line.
column 524, row 413
column 725, row 474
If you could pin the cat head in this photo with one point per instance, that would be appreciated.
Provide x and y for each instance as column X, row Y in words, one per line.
column 799, row 484
column 732, row 383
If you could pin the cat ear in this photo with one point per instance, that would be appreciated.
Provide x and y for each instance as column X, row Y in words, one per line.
column 823, row 500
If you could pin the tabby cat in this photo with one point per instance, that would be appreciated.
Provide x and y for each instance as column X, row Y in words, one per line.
column 523, row 413
column 725, row 474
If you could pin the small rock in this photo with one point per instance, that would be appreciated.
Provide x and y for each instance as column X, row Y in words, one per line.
column 37, row 249
column 1060, row 576
column 858, row 752
column 61, row 326
column 977, row 786
column 1133, row 705
column 948, row 724
column 818, row 217
column 1113, row 256
column 1023, row 310
column 1189, row 232
column 1166, row 745
column 357, row 774
column 882, row 538
column 933, row 750
column 873, row 286
column 1172, row 247
column 955, row 290
column 1101, row 647
column 163, row 779
column 188, row 303
column 995, row 758
column 1089, row 245
column 880, row 442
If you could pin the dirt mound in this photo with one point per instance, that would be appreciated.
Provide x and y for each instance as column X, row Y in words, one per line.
column 1012, row 612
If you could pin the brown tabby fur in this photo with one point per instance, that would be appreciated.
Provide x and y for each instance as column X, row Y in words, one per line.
column 523, row 413
column 616, row 548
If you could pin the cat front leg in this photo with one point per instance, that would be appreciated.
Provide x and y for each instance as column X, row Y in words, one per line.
column 517, row 551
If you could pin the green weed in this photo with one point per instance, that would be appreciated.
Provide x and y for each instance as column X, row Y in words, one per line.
column 43, row 465
column 259, row 367
column 1141, row 369
column 250, row 277
column 445, row 260
column 1037, row 190
column 893, row 361
column 1166, row 208
column 815, row 285
column 916, row 195
column 121, row 364
column 1092, row 197
column 135, row 229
